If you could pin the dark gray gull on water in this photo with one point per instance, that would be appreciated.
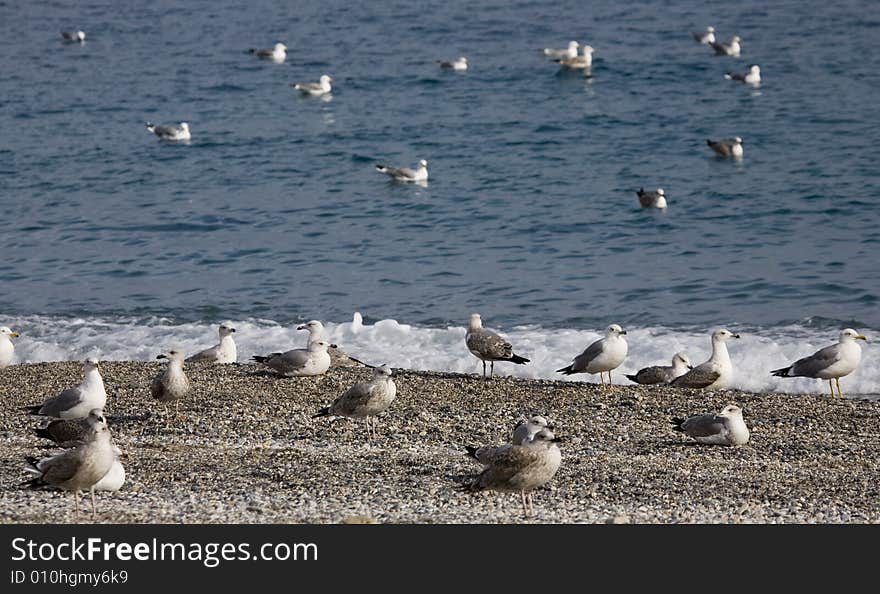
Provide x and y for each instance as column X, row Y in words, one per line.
column 716, row 372
column 731, row 48
column 729, row 147
column 603, row 355
column 707, row 36
column 570, row 52
column 655, row 199
column 315, row 360
column 315, row 89
column 277, row 54
column 364, row 399
column 831, row 363
column 405, row 173
column 76, row 402
column 752, row 77
column 79, row 36
column 661, row 374
column 486, row 345
column 725, row 428
column 77, row 469
column 180, row 132
column 522, row 468
column 459, row 64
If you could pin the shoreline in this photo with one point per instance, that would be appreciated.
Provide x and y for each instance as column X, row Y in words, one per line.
column 248, row 451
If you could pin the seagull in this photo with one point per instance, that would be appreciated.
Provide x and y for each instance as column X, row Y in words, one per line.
column 76, row 402
column 224, row 352
column 523, row 468
column 731, row 48
column 7, row 349
column 583, row 61
column 405, row 173
column 277, row 54
column 570, row 52
column 315, row 89
column 172, row 384
column 315, row 360
column 459, row 64
column 79, row 36
column 79, row 468
column 714, row 373
column 364, row 399
column 170, row 132
column 486, row 345
column 752, row 77
column 67, row 432
column 526, row 429
column 603, row 355
column 727, row 148
column 659, row 374
column 707, row 36
column 337, row 357
column 656, row 199
column 725, row 428
column 831, row 363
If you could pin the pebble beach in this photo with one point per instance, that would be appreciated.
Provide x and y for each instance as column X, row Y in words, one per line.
column 245, row 449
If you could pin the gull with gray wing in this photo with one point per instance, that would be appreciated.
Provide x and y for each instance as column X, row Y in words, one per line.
column 7, row 349
column 486, row 345
column 223, row 352
column 660, row 374
column 831, row 363
column 315, row 360
column 364, row 400
column 601, row 356
column 76, row 402
column 716, row 372
column 725, row 428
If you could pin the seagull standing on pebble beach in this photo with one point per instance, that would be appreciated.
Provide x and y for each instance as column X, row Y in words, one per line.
column 365, row 399
column 603, row 355
column 831, row 363
column 716, row 372
column 172, row 384
column 7, row 349
column 76, row 402
column 486, row 345
column 223, row 352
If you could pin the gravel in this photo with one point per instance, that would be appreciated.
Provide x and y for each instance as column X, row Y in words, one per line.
column 246, row 450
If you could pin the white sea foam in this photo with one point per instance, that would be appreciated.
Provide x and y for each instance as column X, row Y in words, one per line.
column 443, row 349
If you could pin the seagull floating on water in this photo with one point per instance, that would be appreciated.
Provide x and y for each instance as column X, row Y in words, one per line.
column 459, row 64
column 731, row 48
column 315, row 89
column 79, row 36
column 277, row 54
column 655, row 199
column 732, row 147
column 831, row 363
column 707, row 37
column 170, row 132
column 405, row 173
column 752, row 77
column 583, row 61
column 570, row 52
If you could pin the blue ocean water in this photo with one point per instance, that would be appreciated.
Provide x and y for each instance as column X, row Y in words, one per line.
column 274, row 212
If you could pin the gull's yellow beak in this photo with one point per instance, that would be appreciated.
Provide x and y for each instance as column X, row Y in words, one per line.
column 861, row 337
column 15, row 335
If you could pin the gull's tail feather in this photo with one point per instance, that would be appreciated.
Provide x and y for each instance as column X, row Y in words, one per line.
column 44, row 433
column 518, row 360
column 567, row 370
column 632, row 378
column 677, row 422
column 34, row 410
column 324, row 412
column 783, row 372
column 472, row 451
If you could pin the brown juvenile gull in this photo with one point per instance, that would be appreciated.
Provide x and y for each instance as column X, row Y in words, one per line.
column 523, row 468
column 725, row 428
column 223, row 352
column 716, row 372
column 79, row 468
column 731, row 48
column 277, row 54
column 707, row 37
column 315, row 89
column 405, row 173
column 603, row 355
column 172, row 384
column 180, row 132
column 486, row 345
column 314, row 360
column 752, row 77
column 648, row 199
column 831, row 363
column 660, row 374
column 732, row 147
column 459, row 64
column 76, row 402
column 364, row 399
column 7, row 349
column 79, row 36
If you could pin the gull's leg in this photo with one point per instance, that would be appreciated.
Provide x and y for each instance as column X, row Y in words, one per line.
column 484, row 368
column 831, row 386
column 94, row 513
column 531, row 504
column 609, row 377
column 525, row 507
column 839, row 392
column 76, row 503
column 491, row 368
